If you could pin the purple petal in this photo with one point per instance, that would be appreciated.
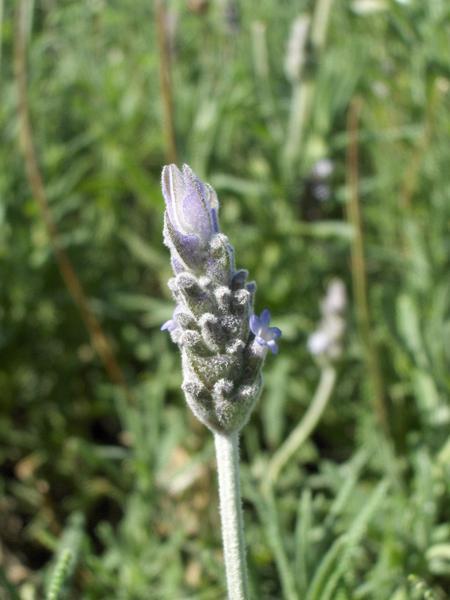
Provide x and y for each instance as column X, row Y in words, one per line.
column 265, row 317
column 268, row 334
column 275, row 331
column 254, row 324
column 187, row 246
column 190, row 176
column 196, row 205
column 177, row 265
column 169, row 325
column 195, row 215
column 214, row 220
column 273, row 346
column 261, row 340
column 238, row 279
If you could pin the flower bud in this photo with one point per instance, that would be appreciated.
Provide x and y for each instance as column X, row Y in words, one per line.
column 191, row 205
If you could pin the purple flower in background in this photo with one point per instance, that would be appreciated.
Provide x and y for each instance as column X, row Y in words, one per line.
column 265, row 335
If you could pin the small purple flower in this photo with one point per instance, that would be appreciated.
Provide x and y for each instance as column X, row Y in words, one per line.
column 169, row 325
column 172, row 323
column 265, row 335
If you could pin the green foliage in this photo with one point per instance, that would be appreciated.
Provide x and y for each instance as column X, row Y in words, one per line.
column 353, row 515
column 66, row 558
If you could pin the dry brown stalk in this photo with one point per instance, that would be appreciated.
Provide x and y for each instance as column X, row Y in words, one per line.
column 99, row 341
column 358, row 267
column 165, row 80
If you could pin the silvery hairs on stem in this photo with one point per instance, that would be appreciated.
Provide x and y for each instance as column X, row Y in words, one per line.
column 223, row 344
column 326, row 342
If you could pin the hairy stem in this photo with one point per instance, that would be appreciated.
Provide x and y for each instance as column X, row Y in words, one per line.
column 227, row 455
column 304, row 429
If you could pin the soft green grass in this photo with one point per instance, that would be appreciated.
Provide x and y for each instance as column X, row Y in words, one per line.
column 354, row 515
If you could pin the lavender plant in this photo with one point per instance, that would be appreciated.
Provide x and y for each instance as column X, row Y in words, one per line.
column 325, row 344
column 222, row 342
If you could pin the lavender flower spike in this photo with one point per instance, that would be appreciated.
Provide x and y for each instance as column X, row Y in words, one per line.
column 223, row 344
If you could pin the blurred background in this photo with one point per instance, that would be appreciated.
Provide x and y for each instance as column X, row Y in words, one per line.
column 324, row 128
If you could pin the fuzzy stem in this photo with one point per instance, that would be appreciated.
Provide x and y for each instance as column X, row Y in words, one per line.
column 304, row 429
column 227, row 455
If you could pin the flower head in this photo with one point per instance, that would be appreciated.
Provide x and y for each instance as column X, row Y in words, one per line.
column 221, row 360
column 265, row 335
